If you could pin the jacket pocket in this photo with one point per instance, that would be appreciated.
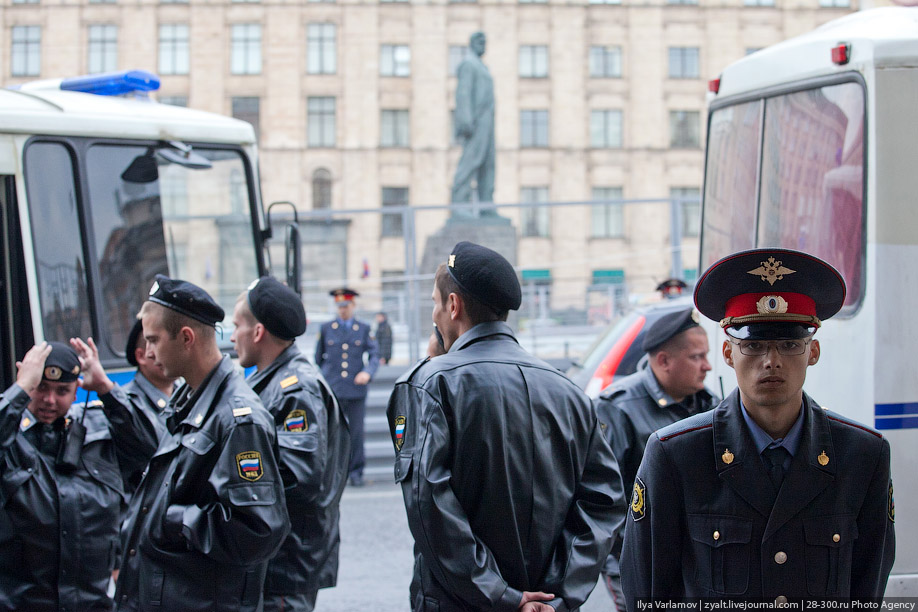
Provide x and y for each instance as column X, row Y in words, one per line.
column 829, row 546
column 721, row 551
column 255, row 494
column 402, row 467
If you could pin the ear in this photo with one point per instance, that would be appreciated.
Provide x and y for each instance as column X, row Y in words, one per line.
column 814, row 352
column 727, row 351
column 455, row 306
column 188, row 336
column 661, row 359
column 259, row 333
column 140, row 354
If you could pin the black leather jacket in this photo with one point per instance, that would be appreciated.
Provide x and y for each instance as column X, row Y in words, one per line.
column 58, row 531
column 210, row 511
column 314, row 447
column 508, row 482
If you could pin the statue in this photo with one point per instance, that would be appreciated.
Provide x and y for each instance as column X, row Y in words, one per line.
column 474, row 121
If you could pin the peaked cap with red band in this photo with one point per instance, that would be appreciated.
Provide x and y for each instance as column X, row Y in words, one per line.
column 770, row 286
column 343, row 294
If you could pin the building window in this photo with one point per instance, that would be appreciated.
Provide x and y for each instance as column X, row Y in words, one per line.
column 174, row 1
column 394, row 129
column 247, row 1
column 605, row 1
column 686, row 2
column 173, row 48
column 26, row 50
column 101, row 1
column 536, row 220
column 321, row 57
column 321, row 189
column 392, row 222
column 834, row 3
column 457, row 53
column 683, row 63
column 320, row 122
column 395, row 60
column 25, row 1
column 533, row 61
column 534, row 128
column 689, row 199
column 536, row 289
column 608, row 217
column 606, row 129
column 533, row 1
column 174, row 100
column 684, row 129
column 605, row 62
column 246, row 109
column 245, row 55
column 758, row 2
column 103, row 48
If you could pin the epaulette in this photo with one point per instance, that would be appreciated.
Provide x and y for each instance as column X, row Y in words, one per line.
column 704, row 420
column 832, row 416
column 611, row 391
column 407, row 376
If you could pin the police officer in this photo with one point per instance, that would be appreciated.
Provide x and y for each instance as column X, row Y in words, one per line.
column 61, row 490
column 312, row 436
column 339, row 353
column 210, row 511
column 768, row 495
column 511, row 490
column 669, row 389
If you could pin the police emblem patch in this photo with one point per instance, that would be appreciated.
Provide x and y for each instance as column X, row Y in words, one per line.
column 638, row 500
column 249, row 465
column 296, row 421
column 399, row 432
column 891, row 504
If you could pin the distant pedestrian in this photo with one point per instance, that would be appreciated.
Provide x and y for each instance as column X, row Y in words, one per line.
column 340, row 351
column 383, row 338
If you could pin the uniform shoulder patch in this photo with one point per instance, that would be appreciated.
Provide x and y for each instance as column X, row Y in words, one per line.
column 250, row 466
column 296, row 421
column 290, row 380
column 638, row 500
column 399, row 432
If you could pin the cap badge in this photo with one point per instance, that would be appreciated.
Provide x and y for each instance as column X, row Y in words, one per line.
column 638, row 500
column 771, row 304
column 727, row 457
column 823, row 458
column 53, row 373
column 771, row 271
column 252, row 284
column 399, row 432
column 695, row 317
column 154, row 288
column 452, row 261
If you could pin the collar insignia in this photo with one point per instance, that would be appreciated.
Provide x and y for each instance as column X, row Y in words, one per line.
column 823, row 458
column 25, row 423
column 771, row 271
column 727, row 457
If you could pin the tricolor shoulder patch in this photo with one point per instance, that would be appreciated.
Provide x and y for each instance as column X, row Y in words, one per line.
column 638, row 500
column 296, row 421
column 250, row 466
column 399, row 432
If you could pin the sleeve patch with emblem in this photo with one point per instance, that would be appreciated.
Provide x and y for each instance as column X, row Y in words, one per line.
column 638, row 500
column 290, row 380
column 399, row 432
column 296, row 421
column 250, row 466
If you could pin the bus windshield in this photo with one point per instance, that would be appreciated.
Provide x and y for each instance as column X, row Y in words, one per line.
column 788, row 171
column 148, row 216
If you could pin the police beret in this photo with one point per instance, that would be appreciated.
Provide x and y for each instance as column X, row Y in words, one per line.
column 751, row 290
column 131, row 345
column 277, row 307
column 187, row 299
column 343, row 294
column 669, row 326
column 62, row 365
column 485, row 275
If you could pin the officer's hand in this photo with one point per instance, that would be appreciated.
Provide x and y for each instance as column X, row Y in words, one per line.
column 32, row 367
column 94, row 376
column 531, row 602
column 361, row 378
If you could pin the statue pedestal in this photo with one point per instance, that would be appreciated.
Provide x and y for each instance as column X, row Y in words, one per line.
column 494, row 232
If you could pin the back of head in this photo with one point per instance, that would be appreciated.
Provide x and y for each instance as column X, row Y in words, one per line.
column 277, row 307
column 484, row 279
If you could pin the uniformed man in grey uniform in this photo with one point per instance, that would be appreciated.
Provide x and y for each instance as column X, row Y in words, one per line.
column 311, row 433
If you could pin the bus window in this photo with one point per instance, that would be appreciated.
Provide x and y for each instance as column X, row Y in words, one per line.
column 59, row 262
column 730, row 185
column 813, row 177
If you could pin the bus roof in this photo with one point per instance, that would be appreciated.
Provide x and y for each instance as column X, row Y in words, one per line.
column 882, row 37
column 67, row 113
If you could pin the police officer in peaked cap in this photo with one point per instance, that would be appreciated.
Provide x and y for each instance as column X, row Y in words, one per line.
column 768, row 496
column 348, row 356
column 312, row 437
column 511, row 490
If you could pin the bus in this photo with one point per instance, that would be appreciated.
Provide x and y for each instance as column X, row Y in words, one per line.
column 811, row 146
column 102, row 188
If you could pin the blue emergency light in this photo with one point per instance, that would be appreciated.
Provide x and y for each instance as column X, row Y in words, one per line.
column 113, row 83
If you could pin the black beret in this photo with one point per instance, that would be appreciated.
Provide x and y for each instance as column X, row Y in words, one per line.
column 62, row 365
column 277, row 307
column 131, row 345
column 770, row 286
column 669, row 326
column 485, row 275
column 186, row 298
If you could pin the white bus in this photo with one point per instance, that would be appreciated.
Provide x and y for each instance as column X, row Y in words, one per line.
column 813, row 145
column 102, row 188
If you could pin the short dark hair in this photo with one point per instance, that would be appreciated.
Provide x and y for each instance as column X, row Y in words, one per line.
column 478, row 312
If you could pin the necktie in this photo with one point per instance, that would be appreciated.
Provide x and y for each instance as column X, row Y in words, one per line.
column 774, row 461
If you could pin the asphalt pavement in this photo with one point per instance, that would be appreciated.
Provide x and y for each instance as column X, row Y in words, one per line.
column 376, row 555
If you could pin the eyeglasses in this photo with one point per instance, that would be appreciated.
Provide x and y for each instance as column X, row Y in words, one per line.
column 757, row 348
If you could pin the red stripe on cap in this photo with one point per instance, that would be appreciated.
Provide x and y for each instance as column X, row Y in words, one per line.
column 747, row 304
